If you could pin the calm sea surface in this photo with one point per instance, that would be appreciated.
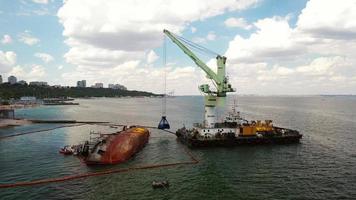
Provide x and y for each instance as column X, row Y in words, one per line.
column 322, row 166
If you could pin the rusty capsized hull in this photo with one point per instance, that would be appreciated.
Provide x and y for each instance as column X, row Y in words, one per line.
column 117, row 148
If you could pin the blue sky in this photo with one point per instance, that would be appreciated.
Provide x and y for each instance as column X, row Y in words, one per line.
column 95, row 40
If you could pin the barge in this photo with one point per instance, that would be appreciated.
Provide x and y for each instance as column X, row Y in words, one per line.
column 235, row 131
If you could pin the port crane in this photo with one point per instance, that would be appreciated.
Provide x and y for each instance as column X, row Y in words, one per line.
column 220, row 80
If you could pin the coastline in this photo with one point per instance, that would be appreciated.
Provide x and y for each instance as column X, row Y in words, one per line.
column 4, row 123
column 17, row 106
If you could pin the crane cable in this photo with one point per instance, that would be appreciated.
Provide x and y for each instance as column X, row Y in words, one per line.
column 196, row 46
column 164, row 102
column 164, row 124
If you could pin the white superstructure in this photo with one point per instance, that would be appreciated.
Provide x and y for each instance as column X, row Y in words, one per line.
column 213, row 129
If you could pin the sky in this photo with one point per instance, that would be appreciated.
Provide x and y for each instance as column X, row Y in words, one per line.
column 273, row 47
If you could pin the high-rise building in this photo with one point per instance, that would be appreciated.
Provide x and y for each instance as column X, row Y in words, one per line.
column 12, row 79
column 117, row 87
column 98, row 85
column 82, row 84
column 0, row 79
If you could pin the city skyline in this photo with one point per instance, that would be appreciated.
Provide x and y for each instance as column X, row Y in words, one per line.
column 285, row 47
column 14, row 80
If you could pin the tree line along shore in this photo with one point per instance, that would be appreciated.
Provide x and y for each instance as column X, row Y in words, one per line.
column 16, row 91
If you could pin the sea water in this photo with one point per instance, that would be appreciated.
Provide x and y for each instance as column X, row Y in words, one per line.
column 322, row 166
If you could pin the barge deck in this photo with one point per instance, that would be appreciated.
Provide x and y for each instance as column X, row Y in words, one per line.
column 277, row 136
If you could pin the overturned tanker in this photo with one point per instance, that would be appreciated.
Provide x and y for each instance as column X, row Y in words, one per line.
column 115, row 147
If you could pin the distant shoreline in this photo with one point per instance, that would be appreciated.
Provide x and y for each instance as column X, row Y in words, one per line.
column 5, row 123
column 16, row 91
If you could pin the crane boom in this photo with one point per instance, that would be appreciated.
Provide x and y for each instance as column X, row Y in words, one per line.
column 219, row 78
column 210, row 73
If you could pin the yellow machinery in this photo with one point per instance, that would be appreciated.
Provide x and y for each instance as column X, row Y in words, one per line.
column 254, row 127
column 265, row 126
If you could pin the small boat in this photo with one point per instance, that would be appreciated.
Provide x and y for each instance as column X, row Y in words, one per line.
column 160, row 184
column 66, row 150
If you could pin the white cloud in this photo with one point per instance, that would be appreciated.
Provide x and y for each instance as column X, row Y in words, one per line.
column 316, row 56
column 93, row 57
column 27, row 38
column 327, row 66
column 151, row 57
column 60, row 67
column 6, row 39
column 128, row 25
column 136, row 75
column 328, row 18
column 199, row 39
column 322, row 75
column 237, row 22
column 211, row 36
column 41, row 11
column 45, row 57
column 35, row 73
column 131, row 28
column 274, row 39
column 7, row 60
column 193, row 29
column 40, row 1
column 120, row 35
column 113, row 41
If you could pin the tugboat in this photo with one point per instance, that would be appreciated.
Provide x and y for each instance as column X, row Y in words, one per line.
column 233, row 130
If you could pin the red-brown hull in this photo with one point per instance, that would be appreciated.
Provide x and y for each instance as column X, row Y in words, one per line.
column 120, row 148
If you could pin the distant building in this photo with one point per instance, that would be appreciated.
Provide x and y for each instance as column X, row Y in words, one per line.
column 82, row 84
column 98, row 85
column 57, row 86
column 39, row 83
column 117, row 87
column 0, row 79
column 28, row 100
column 22, row 82
column 12, row 79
